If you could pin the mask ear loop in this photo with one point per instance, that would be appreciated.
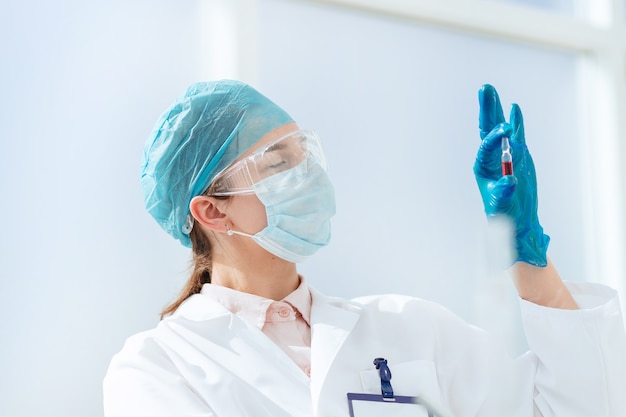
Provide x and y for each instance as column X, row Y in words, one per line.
column 231, row 232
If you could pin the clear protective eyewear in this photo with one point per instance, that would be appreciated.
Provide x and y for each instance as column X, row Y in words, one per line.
column 279, row 156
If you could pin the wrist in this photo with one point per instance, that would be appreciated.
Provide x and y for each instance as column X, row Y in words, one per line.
column 542, row 286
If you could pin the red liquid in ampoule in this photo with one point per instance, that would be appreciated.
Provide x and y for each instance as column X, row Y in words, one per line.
column 507, row 168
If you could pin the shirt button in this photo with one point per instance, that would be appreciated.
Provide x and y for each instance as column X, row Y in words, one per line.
column 284, row 312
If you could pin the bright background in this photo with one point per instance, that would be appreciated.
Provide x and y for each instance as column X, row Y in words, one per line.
column 391, row 87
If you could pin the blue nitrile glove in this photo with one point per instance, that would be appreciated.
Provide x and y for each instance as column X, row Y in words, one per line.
column 512, row 195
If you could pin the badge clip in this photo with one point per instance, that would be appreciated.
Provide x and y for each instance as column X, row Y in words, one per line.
column 385, row 378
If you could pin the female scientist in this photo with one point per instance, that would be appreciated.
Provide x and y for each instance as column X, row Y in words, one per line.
column 231, row 175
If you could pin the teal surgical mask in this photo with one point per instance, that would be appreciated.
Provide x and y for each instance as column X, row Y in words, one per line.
column 299, row 204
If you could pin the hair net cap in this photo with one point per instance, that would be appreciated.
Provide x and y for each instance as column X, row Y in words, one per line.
column 203, row 132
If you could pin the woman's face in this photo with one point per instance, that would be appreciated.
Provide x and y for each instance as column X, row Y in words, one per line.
column 246, row 212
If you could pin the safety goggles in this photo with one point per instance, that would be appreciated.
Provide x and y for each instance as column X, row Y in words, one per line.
column 279, row 156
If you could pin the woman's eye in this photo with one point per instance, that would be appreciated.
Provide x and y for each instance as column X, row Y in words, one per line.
column 278, row 165
column 274, row 162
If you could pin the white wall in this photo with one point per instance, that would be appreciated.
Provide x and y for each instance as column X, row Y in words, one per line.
column 82, row 266
column 396, row 105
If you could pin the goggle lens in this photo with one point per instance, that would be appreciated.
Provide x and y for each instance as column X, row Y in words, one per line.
column 279, row 156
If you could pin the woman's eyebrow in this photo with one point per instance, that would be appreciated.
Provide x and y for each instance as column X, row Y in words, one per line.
column 283, row 144
column 275, row 147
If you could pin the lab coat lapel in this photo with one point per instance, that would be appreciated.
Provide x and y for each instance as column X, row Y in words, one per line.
column 330, row 327
column 266, row 367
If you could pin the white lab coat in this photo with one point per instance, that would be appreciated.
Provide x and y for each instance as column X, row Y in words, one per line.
column 205, row 361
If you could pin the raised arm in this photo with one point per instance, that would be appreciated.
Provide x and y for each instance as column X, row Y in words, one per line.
column 515, row 196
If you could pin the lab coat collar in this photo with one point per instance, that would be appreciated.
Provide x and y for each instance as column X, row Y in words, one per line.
column 200, row 308
column 226, row 338
column 332, row 320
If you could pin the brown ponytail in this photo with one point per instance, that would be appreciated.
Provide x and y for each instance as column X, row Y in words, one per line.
column 201, row 274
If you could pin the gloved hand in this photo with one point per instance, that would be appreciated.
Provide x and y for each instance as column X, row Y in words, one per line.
column 512, row 195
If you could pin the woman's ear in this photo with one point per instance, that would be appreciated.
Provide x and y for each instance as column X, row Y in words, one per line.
column 205, row 211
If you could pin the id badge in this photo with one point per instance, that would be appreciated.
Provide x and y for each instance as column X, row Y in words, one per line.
column 372, row 405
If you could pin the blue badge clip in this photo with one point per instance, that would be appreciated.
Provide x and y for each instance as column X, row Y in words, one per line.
column 385, row 377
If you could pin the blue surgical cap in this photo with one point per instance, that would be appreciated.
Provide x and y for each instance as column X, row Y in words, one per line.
column 203, row 132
